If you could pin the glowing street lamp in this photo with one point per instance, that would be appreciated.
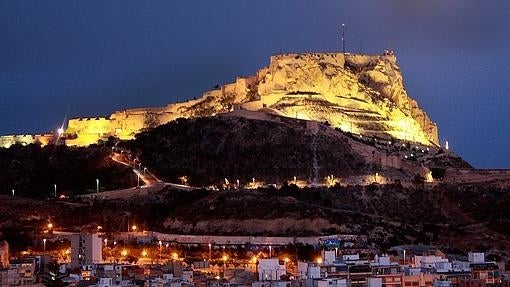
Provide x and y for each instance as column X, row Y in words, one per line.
column 50, row 225
column 210, row 251
column 13, row 192
column 97, row 185
column 44, row 245
column 133, row 228
column 55, row 188
column 144, row 170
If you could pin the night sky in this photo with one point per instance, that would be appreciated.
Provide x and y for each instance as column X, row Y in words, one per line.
column 88, row 58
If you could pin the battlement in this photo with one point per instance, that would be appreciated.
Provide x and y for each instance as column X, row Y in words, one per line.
column 42, row 139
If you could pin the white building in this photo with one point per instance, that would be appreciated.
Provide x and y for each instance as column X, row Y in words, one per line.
column 428, row 261
column 270, row 269
column 329, row 256
column 476, row 257
column 308, row 270
column 86, row 249
column 374, row 282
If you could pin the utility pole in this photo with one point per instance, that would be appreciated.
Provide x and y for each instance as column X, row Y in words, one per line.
column 343, row 38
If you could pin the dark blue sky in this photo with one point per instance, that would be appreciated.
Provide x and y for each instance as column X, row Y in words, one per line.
column 85, row 58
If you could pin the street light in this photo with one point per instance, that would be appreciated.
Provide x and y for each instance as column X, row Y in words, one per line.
column 210, row 251
column 44, row 245
column 55, row 186
column 144, row 169
column 97, row 185
column 13, row 192
column 138, row 174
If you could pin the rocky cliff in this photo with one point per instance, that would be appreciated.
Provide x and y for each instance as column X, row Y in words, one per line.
column 362, row 94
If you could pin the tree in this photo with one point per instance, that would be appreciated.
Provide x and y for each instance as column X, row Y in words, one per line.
column 150, row 121
column 53, row 277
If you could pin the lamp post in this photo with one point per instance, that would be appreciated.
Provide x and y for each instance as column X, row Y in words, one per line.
column 144, row 169
column 97, row 185
column 13, row 192
column 210, row 251
column 55, row 186
column 138, row 174
column 44, row 245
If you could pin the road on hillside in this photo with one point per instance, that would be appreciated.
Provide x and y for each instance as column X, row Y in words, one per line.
column 149, row 183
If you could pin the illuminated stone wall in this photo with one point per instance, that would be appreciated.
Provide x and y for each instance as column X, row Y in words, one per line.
column 43, row 139
column 87, row 130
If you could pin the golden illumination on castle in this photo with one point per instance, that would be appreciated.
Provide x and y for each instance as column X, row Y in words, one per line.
column 360, row 94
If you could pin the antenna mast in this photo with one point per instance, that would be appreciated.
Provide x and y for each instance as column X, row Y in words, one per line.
column 343, row 38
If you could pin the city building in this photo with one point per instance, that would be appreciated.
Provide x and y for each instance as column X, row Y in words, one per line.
column 86, row 249
column 4, row 254
column 22, row 272
column 271, row 269
column 4, row 278
column 389, row 272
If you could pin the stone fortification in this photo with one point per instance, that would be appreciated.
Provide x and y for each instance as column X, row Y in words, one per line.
column 362, row 94
column 43, row 139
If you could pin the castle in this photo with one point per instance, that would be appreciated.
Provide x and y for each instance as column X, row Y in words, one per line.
column 361, row 94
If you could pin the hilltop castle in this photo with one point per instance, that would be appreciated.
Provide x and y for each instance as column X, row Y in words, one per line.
column 361, row 94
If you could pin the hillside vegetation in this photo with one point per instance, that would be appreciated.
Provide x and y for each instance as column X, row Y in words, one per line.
column 208, row 150
column 461, row 217
column 33, row 170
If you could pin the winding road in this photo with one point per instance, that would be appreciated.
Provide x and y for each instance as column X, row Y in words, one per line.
column 151, row 183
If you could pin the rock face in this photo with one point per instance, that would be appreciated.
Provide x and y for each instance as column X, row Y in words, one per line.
column 362, row 94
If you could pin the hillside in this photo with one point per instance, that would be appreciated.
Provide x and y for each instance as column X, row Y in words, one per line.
column 208, row 150
column 361, row 94
column 32, row 170
column 461, row 217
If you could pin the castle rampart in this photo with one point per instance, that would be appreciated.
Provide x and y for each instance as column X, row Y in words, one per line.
column 343, row 89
